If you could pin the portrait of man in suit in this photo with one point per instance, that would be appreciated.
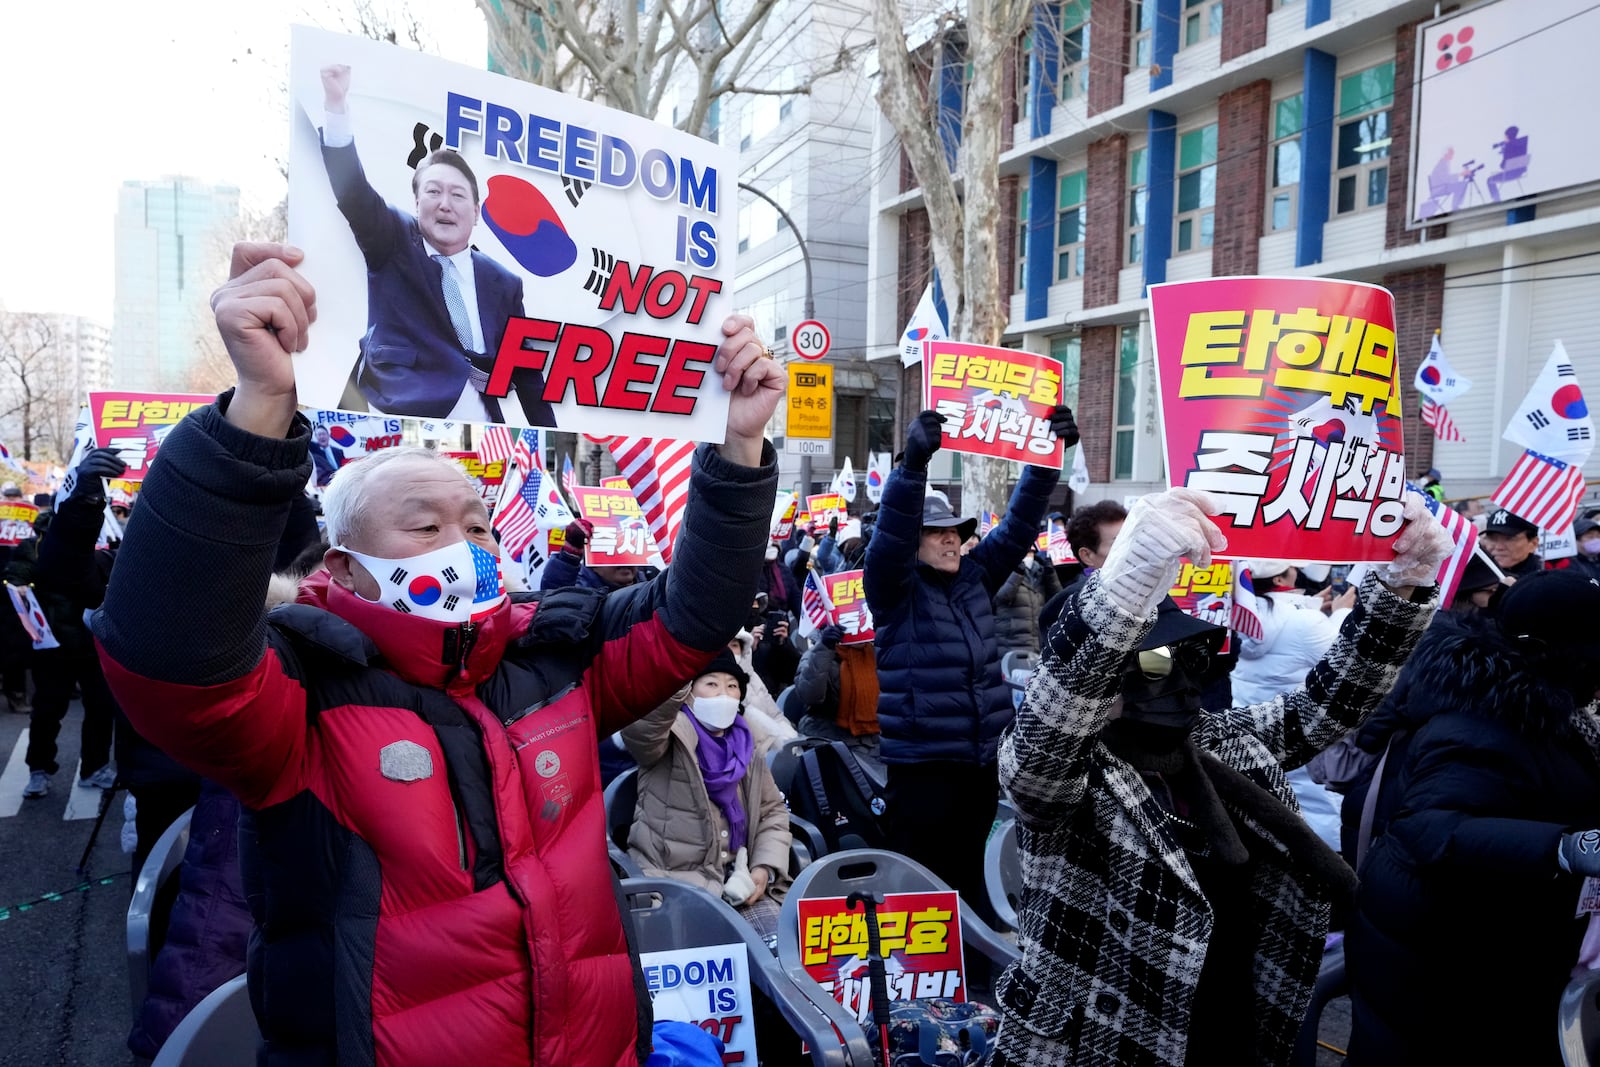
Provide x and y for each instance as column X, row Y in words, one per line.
column 436, row 307
column 325, row 458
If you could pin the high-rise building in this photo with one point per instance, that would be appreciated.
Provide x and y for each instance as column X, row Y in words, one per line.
column 171, row 243
column 1372, row 140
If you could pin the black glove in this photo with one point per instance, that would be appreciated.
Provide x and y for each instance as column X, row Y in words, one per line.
column 833, row 526
column 923, row 438
column 96, row 464
column 1063, row 425
column 577, row 535
column 1580, row 853
column 832, row 634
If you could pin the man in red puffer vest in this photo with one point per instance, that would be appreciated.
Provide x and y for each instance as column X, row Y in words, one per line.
column 424, row 841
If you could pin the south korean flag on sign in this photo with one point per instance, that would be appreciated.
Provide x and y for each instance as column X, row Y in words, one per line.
column 1553, row 418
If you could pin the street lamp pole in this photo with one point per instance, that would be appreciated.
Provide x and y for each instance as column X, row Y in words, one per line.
column 810, row 306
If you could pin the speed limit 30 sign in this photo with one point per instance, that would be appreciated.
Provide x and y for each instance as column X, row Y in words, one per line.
column 810, row 339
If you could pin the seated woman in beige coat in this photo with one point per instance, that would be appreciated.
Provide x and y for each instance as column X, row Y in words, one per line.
column 709, row 812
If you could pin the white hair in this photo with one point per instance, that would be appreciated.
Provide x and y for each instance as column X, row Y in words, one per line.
column 344, row 502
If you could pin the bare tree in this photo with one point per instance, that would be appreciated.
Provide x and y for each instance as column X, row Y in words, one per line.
column 36, row 383
column 630, row 55
column 963, row 203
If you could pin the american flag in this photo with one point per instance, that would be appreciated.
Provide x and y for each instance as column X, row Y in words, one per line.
column 1462, row 533
column 1246, row 609
column 569, row 477
column 1541, row 489
column 816, row 605
column 516, row 517
column 496, row 444
column 657, row 470
column 1438, row 416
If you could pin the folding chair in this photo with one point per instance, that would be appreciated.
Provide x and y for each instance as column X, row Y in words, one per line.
column 1580, row 1021
column 668, row 915
column 220, row 1031
column 1332, row 982
column 1002, row 873
column 621, row 799
column 153, row 895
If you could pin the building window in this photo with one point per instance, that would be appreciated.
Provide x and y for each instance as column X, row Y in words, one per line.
column 1201, row 19
column 1074, row 60
column 1361, row 153
column 1138, row 196
column 1025, row 77
column 714, row 121
column 785, row 107
column 883, row 432
column 1069, row 225
column 1022, row 240
column 1068, row 352
column 1288, row 121
column 1197, row 188
column 1127, row 403
column 1144, row 21
column 744, row 228
column 747, row 122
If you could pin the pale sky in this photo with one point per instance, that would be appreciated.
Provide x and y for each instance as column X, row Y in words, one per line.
column 101, row 91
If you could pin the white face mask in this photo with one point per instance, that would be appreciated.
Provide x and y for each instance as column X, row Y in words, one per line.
column 715, row 713
column 1590, row 546
column 449, row 584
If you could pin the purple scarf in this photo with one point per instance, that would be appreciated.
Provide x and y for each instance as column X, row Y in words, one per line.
column 723, row 762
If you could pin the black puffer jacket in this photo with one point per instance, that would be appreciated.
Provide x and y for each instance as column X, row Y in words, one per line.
column 1018, row 604
column 1465, row 921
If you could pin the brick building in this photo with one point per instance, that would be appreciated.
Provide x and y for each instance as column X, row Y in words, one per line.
column 1168, row 140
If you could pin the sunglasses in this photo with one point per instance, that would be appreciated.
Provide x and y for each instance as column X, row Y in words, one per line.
column 1157, row 663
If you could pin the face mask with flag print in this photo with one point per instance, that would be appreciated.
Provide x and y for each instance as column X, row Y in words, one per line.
column 456, row 583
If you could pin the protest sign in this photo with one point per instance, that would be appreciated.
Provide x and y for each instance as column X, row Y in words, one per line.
column 600, row 244
column 987, row 520
column 824, row 507
column 995, row 402
column 134, row 424
column 1206, row 593
column 621, row 536
column 1280, row 396
column 708, row 986
column 616, row 481
column 1553, row 544
column 784, row 507
column 1058, row 546
column 919, row 935
column 16, row 522
column 850, row 612
column 488, row 477
column 1042, row 543
column 26, row 605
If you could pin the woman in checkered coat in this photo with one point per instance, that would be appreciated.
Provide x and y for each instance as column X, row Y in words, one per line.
column 1175, row 905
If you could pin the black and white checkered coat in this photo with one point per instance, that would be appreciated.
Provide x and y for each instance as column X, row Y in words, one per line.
column 1114, row 925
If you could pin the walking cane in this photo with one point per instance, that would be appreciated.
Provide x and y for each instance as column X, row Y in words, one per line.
column 877, row 979
column 94, row 835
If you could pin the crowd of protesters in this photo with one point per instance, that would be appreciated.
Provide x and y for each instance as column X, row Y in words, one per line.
column 399, row 817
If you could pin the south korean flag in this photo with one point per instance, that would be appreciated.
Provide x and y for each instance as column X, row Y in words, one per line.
column 1553, row 419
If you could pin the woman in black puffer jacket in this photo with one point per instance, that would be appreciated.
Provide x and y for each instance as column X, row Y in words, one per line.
column 1465, row 932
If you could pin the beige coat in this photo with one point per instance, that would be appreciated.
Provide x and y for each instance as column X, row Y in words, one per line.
column 677, row 830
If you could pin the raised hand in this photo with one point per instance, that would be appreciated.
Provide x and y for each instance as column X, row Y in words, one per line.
column 755, row 385
column 335, row 87
column 264, row 313
column 924, row 437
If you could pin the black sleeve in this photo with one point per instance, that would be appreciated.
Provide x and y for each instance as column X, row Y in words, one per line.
column 185, row 600
column 67, row 563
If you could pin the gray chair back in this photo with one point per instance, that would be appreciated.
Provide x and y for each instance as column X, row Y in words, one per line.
column 220, row 1031
column 669, row 914
column 621, row 799
column 1580, row 1021
column 1002, row 873
column 154, row 889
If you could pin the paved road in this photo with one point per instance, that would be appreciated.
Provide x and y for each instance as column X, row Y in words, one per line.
column 63, row 964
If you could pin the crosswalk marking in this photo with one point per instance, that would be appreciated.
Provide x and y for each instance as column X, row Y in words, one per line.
column 84, row 801
column 14, row 777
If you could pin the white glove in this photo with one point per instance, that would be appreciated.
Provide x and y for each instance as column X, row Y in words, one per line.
column 1419, row 550
column 739, row 887
column 1161, row 530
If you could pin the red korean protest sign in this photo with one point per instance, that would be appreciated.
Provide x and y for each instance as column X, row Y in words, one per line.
column 588, row 254
column 1206, row 593
column 850, row 611
column 134, row 424
column 16, row 522
column 784, row 510
column 823, row 507
column 487, row 477
column 919, row 935
column 1280, row 396
column 1042, row 543
column 995, row 401
column 621, row 536
column 616, row 481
